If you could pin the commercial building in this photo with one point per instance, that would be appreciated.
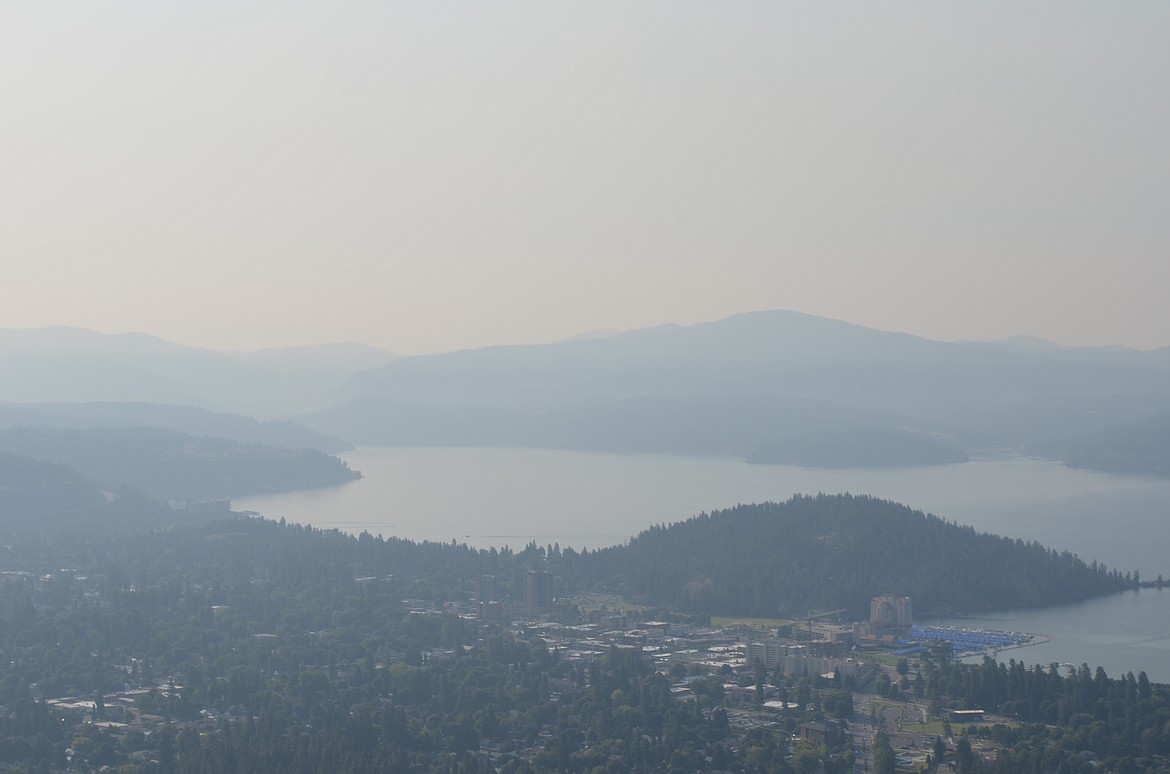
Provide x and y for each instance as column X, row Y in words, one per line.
column 485, row 588
column 820, row 733
column 890, row 612
column 538, row 592
column 770, row 653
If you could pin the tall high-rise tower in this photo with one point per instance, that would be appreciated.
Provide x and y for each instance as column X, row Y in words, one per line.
column 485, row 588
column 538, row 596
column 890, row 612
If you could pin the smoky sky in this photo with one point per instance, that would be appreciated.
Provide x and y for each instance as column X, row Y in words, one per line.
column 431, row 176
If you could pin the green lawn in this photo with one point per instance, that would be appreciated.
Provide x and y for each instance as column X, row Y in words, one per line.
column 610, row 602
column 754, row 623
column 935, row 728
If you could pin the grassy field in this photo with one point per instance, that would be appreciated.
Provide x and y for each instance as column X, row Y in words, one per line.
column 610, row 602
column 936, row 728
column 761, row 624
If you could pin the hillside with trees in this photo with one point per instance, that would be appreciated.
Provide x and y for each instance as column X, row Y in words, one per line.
column 758, row 427
column 72, row 365
column 1141, row 447
column 173, row 465
column 32, row 491
column 183, row 419
column 828, row 552
column 1071, row 719
column 38, row 497
column 243, row 644
column 775, row 386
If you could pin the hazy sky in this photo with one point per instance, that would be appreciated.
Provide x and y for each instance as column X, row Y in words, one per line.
column 429, row 176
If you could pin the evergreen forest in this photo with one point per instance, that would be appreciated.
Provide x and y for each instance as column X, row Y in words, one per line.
column 142, row 640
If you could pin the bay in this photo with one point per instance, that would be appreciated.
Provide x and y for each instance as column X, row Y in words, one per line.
column 496, row 497
column 1127, row 632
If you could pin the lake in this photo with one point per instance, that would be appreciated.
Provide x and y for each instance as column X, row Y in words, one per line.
column 1127, row 632
column 496, row 497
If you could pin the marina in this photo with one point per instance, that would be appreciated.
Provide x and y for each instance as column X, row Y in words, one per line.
column 966, row 642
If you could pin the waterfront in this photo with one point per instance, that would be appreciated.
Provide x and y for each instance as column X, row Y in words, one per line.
column 495, row 497
column 1121, row 633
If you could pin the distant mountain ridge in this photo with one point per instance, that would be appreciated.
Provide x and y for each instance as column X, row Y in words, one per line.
column 184, row 419
column 776, row 386
column 748, row 385
column 31, row 490
column 704, row 358
column 1141, row 447
column 783, row 353
column 1158, row 358
column 72, row 365
column 170, row 465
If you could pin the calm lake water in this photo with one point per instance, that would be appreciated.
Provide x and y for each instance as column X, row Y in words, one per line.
column 496, row 497
column 1127, row 632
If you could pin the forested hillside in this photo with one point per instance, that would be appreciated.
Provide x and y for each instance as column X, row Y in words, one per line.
column 71, row 365
column 1081, row 720
column 38, row 496
column 1141, row 447
column 762, row 428
column 773, row 386
column 182, row 419
column 829, row 552
column 172, row 465
column 32, row 490
column 250, row 645
column 777, row 385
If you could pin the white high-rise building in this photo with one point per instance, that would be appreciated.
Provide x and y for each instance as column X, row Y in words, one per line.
column 890, row 612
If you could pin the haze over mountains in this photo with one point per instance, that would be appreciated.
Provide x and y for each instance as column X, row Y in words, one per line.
column 80, row 366
column 171, row 465
column 772, row 386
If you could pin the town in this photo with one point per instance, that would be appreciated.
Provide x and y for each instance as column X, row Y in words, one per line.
column 837, row 689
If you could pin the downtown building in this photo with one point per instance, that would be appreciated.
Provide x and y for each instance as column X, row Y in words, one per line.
column 538, row 592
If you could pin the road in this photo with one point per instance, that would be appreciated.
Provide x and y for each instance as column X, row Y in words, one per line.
column 900, row 720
